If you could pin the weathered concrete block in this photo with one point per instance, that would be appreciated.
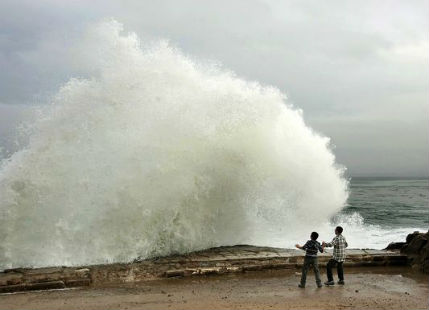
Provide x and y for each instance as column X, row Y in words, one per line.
column 48, row 270
column 83, row 272
column 233, row 269
column 175, row 273
column 10, row 278
column 46, row 285
column 40, row 277
column 32, row 286
column 350, row 264
column 283, row 265
column 252, row 267
column 16, row 270
column 209, row 270
column 402, row 259
column 77, row 282
column 12, row 288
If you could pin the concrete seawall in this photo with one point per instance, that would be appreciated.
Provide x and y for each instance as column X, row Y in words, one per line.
column 240, row 258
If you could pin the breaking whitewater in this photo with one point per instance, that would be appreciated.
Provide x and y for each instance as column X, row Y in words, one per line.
column 157, row 154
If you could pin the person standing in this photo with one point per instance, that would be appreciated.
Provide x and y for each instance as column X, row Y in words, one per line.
column 311, row 248
column 339, row 255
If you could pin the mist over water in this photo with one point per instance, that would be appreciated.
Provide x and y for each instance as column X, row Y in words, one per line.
column 158, row 154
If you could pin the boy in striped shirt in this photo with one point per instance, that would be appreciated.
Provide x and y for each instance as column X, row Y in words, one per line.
column 311, row 248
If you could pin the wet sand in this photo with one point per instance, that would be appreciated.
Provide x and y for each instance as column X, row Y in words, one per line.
column 366, row 288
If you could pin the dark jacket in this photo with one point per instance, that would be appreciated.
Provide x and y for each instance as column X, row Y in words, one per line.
column 312, row 247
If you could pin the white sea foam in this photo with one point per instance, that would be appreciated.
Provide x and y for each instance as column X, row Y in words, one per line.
column 157, row 154
column 359, row 235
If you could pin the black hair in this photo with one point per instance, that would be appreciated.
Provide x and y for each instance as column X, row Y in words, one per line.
column 339, row 229
column 314, row 235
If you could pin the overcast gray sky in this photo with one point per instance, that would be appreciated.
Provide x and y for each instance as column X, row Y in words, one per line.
column 358, row 69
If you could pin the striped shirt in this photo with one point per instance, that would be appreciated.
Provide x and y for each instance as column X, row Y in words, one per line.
column 311, row 248
column 339, row 243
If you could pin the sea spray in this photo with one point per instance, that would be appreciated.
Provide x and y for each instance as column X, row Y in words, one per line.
column 157, row 154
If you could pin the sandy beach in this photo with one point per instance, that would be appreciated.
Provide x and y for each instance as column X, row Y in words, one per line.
column 366, row 288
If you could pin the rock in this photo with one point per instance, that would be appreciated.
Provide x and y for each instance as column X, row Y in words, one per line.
column 395, row 246
column 416, row 248
column 410, row 237
column 416, row 244
column 424, row 261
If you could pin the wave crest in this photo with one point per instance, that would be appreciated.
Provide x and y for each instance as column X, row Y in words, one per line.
column 158, row 154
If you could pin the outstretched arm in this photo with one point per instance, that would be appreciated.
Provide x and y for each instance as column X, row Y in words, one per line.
column 304, row 247
column 332, row 243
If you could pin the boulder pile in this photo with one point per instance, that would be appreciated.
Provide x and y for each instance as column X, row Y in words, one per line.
column 416, row 247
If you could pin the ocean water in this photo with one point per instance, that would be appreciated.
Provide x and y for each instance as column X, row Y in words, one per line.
column 387, row 209
column 155, row 153
column 390, row 202
column 378, row 211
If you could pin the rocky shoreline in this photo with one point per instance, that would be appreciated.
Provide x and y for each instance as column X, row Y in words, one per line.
column 416, row 247
column 221, row 260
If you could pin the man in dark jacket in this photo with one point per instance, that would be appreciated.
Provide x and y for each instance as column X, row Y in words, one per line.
column 311, row 248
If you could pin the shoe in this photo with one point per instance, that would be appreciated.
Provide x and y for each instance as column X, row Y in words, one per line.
column 329, row 283
column 301, row 286
column 341, row 282
column 319, row 285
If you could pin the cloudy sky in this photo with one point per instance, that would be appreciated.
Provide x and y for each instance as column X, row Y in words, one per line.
column 358, row 69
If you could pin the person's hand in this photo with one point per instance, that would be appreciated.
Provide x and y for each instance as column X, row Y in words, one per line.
column 323, row 243
column 297, row 246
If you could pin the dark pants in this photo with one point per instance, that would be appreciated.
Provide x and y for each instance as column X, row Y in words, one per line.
column 331, row 264
column 310, row 261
